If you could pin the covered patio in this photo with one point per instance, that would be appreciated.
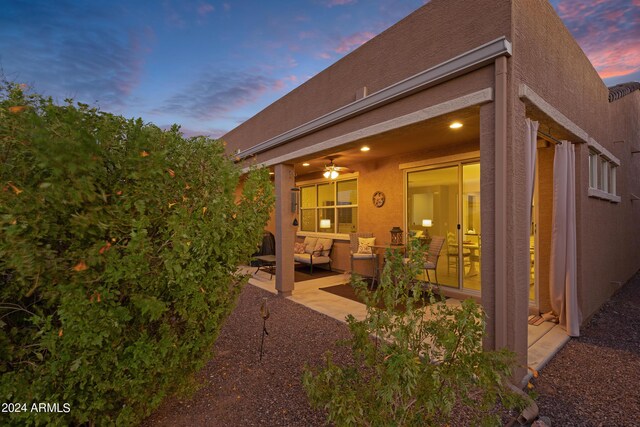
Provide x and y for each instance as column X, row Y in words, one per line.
column 430, row 173
column 402, row 177
column 543, row 340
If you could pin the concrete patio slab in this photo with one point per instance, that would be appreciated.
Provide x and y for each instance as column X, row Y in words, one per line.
column 544, row 341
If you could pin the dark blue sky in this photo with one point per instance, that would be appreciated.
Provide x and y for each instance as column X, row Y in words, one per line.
column 208, row 65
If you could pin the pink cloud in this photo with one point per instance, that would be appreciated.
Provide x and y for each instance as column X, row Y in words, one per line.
column 607, row 31
column 291, row 62
column 302, row 35
column 277, row 86
column 616, row 61
column 323, row 55
column 614, row 14
column 140, row 44
column 332, row 3
column 216, row 92
column 351, row 42
column 204, row 9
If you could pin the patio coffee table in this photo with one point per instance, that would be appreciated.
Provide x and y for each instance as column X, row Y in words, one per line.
column 267, row 264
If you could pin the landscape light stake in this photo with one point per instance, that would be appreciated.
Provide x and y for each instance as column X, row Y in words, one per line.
column 264, row 313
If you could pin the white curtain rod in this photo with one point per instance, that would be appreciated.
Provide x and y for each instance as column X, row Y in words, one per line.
column 549, row 138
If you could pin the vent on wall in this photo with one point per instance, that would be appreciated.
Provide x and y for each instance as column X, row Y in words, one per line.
column 361, row 93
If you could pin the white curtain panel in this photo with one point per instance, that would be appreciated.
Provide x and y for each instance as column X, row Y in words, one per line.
column 530, row 159
column 562, row 280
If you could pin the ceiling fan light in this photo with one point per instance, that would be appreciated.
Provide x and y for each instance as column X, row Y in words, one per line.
column 334, row 174
column 326, row 174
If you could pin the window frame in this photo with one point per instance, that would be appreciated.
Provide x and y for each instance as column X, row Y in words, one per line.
column 602, row 168
column 603, row 174
column 335, row 207
column 613, row 179
column 593, row 169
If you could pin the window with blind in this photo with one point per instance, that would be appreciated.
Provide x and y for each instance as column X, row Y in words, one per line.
column 329, row 207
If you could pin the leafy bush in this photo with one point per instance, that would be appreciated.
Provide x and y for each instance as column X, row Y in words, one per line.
column 119, row 244
column 410, row 369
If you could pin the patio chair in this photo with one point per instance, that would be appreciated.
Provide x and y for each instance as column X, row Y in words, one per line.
column 314, row 254
column 432, row 256
column 453, row 255
column 356, row 255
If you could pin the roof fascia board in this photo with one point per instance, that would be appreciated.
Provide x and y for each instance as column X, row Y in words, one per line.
column 526, row 93
column 476, row 98
column 461, row 64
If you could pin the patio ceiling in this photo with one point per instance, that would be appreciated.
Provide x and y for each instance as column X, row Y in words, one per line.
column 429, row 135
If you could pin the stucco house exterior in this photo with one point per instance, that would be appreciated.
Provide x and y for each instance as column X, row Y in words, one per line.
column 494, row 66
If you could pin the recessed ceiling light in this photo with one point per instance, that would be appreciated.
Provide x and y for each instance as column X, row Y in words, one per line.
column 305, row 164
column 365, row 148
column 455, row 125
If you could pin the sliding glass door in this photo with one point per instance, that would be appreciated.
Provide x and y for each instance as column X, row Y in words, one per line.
column 445, row 201
column 470, row 226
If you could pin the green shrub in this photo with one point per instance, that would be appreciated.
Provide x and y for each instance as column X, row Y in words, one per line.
column 410, row 369
column 119, row 246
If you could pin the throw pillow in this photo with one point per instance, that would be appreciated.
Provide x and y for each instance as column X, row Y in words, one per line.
column 326, row 245
column 364, row 249
column 365, row 241
column 317, row 251
column 298, row 248
column 310, row 244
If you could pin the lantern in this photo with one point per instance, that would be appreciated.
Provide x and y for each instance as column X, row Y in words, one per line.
column 396, row 236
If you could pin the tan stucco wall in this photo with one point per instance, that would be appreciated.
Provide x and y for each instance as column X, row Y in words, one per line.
column 549, row 60
column 609, row 233
column 431, row 35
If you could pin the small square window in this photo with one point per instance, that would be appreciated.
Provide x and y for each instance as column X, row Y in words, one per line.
column 603, row 175
column 603, row 169
column 593, row 169
column 612, row 180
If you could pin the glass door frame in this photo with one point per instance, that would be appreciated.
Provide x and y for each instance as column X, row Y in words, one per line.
column 458, row 162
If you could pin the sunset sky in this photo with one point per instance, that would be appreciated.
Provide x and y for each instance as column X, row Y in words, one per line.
column 209, row 65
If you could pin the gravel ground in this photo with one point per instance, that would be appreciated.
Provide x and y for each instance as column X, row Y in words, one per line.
column 238, row 389
column 593, row 381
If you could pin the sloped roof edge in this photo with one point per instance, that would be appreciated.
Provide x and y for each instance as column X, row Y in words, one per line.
column 623, row 89
column 453, row 67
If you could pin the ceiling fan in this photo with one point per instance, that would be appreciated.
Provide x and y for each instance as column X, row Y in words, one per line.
column 331, row 171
